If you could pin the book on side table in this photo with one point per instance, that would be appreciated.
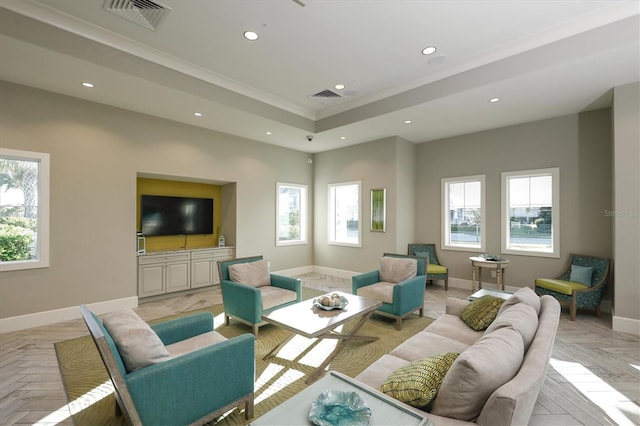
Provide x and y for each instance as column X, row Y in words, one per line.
column 487, row 291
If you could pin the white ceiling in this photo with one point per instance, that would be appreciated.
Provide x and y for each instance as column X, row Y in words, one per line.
column 542, row 58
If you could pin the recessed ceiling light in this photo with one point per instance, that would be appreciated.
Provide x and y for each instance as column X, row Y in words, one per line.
column 343, row 137
column 250, row 35
column 87, row 84
column 494, row 100
column 268, row 133
column 339, row 86
column 197, row 114
column 407, row 121
column 429, row 50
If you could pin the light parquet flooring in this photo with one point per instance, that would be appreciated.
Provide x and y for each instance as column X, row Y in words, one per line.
column 593, row 379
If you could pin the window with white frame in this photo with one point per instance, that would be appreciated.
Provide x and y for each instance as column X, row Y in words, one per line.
column 291, row 215
column 24, row 210
column 463, row 224
column 531, row 212
column 345, row 224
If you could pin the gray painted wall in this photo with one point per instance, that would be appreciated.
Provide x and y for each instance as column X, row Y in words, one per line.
column 96, row 152
column 626, row 113
column 579, row 144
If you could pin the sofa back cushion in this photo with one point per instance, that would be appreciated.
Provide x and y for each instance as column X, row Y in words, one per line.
column 137, row 343
column 255, row 274
column 481, row 369
column 522, row 318
column 395, row 270
column 523, row 295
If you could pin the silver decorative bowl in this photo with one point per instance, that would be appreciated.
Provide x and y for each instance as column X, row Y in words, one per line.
column 343, row 302
column 339, row 408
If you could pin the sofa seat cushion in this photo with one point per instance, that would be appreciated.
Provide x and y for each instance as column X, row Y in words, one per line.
column 560, row 286
column 488, row 364
column 275, row 296
column 481, row 312
column 396, row 269
column 382, row 291
column 453, row 327
column 417, row 383
column 255, row 274
column 523, row 295
column 377, row 372
column 139, row 346
column 520, row 317
column 194, row 343
column 426, row 344
column 436, row 269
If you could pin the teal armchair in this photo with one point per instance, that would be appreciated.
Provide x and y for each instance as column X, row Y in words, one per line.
column 248, row 301
column 400, row 286
column 191, row 387
column 581, row 286
column 435, row 271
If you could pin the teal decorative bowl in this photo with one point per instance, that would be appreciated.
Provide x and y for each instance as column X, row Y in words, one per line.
column 339, row 408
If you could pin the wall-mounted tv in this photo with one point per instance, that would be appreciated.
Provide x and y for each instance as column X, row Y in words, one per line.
column 163, row 215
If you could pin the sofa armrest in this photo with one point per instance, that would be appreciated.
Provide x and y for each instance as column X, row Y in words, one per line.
column 455, row 306
column 242, row 300
column 173, row 331
column 208, row 378
column 288, row 283
column 365, row 279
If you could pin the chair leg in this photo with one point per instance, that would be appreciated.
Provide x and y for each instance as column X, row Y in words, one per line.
column 422, row 311
column 574, row 307
column 227, row 319
column 255, row 330
column 446, row 284
column 399, row 323
column 598, row 310
column 248, row 409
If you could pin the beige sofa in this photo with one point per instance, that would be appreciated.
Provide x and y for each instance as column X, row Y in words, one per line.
column 498, row 375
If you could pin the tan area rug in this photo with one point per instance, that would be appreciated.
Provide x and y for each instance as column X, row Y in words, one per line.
column 90, row 394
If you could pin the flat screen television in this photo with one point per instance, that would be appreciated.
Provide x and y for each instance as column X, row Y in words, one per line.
column 163, row 215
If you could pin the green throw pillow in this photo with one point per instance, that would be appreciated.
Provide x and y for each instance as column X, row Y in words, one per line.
column 480, row 313
column 417, row 384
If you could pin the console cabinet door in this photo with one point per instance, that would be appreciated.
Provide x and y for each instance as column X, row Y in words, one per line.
column 177, row 276
column 151, row 279
column 202, row 271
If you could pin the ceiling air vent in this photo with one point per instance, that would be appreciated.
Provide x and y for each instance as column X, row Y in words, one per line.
column 325, row 96
column 146, row 13
column 326, row 93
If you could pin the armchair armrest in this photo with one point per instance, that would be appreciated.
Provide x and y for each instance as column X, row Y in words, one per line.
column 288, row 283
column 173, row 331
column 242, row 300
column 365, row 279
column 409, row 292
column 208, row 378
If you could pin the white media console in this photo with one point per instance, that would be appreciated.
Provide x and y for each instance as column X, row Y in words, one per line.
column 178, row 270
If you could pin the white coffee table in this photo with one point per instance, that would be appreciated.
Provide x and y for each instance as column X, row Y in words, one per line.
column 305, row 319
column 384, row 410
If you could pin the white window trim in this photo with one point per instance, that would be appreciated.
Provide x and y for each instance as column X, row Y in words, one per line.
column 555, row 212
column 303, row 215
column 42, row 260
column 445, row 215
column 331, row 216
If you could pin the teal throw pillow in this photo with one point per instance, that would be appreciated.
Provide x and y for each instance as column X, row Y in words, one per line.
column 581, row 274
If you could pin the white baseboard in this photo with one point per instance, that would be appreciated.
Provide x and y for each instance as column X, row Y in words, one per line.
column 332, row 272
column 626, row 325
column 295, row 271
column 37, row 319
